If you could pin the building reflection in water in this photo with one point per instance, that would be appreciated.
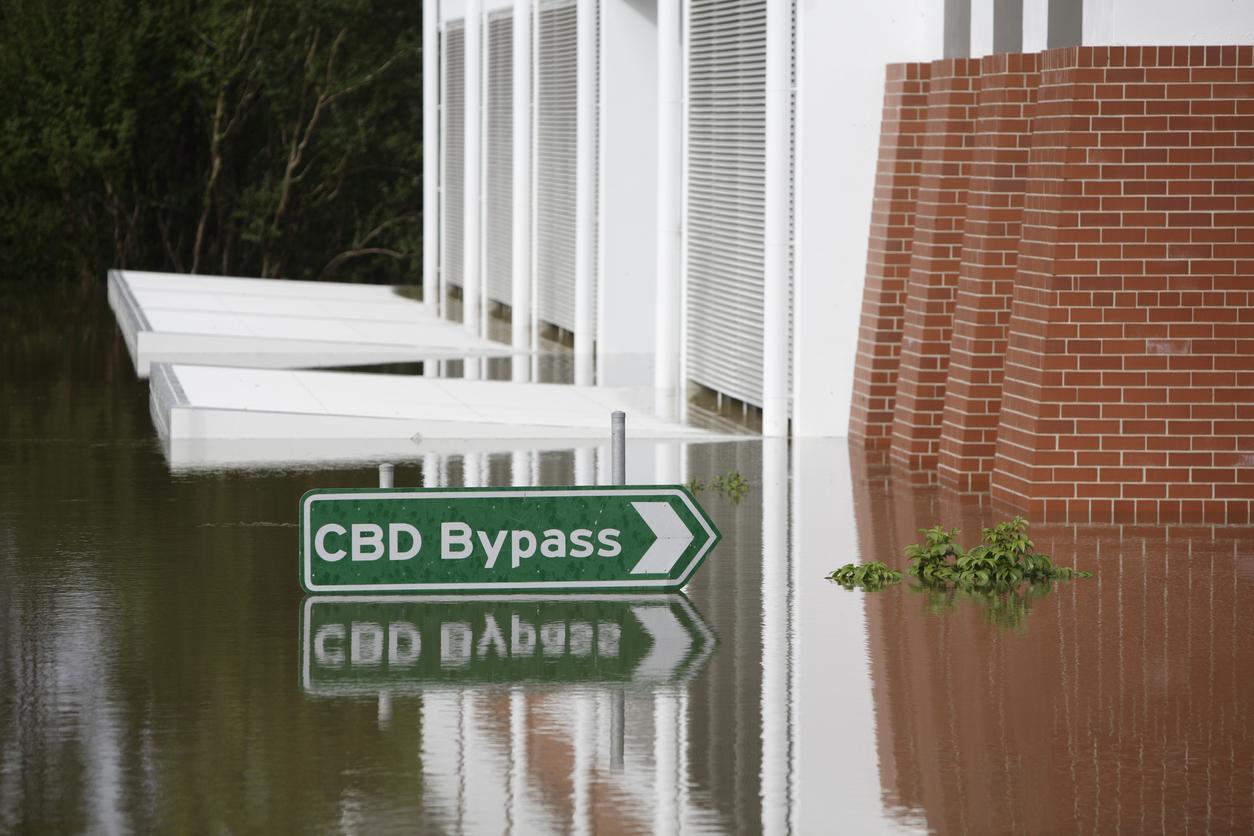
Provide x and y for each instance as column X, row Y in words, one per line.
column 1120, row 703
column 158, row 692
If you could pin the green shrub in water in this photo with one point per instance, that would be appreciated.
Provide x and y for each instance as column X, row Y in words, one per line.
column 1006, row 559
column 865, row 576
column 734, row 486
column 929, row 560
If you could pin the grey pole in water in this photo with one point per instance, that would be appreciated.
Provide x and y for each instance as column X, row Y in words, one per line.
column 385, row 475
column 618, row 445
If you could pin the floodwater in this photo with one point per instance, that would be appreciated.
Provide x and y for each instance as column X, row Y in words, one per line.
column 160, row 670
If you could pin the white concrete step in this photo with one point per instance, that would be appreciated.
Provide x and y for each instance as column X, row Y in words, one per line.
column 210, row 402
column 277, row 323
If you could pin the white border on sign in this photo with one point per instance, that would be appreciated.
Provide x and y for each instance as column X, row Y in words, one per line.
column 665, row 583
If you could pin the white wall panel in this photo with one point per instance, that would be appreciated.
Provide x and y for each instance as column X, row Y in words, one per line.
column 499, row 153
column 1155, row 22
column 840, row 78
column 627, row 227
column 555, row 88
column 452, row 152
column 725, row 194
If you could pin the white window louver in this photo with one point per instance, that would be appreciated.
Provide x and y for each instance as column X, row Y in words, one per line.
column 555, row 120
column 452, row 152
column 726, row 194
column 499, row 178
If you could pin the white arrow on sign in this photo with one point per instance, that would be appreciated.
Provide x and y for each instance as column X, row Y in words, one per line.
column 671, row 642
column 672, row 538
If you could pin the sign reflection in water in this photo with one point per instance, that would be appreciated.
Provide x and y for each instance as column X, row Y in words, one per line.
column 352, row 645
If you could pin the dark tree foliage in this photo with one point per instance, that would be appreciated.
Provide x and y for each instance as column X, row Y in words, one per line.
column 243, row 137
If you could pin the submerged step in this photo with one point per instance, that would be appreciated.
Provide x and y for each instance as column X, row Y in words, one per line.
column 279, row 323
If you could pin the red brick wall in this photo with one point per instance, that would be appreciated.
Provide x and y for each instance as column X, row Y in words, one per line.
column 888, row 253
column 936, row 254
column 1127, row 380
column 1129, row 383
column 990, row 249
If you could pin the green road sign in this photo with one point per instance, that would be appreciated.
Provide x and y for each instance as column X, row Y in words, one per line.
column 357, row 645
column 539, row 540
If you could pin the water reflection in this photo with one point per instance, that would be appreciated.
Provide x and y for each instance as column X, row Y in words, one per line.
column 353, row 645
column 148, row 679
column 1122, row 702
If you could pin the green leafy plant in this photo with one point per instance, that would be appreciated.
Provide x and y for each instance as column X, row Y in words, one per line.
column 1004, row 573
column 1005, row 559
column 734, row 486
column 870, row 576
column 930, row 560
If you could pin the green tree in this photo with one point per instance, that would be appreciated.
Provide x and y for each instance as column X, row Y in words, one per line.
column 253, row 137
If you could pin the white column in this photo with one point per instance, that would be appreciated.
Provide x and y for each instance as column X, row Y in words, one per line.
column 584, row 747
column 981, row 28
column 832, row 692
column 585, row 189
column 519, row 821
column 430, row 153
column 522, row 326
column 1035, row 25
column 472, row 470
column 666, row 777
column 1098, row 22
column 775, row 278
column 585, row 466
column 669, row 200
column 666, row 458
column 520, row 468
column 774, row 708
column 472, row 165
column 626, row 242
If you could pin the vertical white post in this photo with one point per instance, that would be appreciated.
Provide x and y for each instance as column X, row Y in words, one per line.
column 472, row 164
column 472, row 470
column 666, row 776
column 520, row 468
column 430, row 470
column 1035, row 25
column 775, row 557
column 430, row 153
column 520, row 290
column 584, row 746
column 385, row 475
column 585, row 466
column 775, row 276
column 585, row 188
column 981, row 27
column 669, row 198
column 384, row 709
column 518, row 759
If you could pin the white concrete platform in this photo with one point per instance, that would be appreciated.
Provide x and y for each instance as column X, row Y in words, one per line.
column 277, row 323
column 225, row 403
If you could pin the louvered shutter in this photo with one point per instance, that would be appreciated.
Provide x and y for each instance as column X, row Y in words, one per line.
column 452, row 152
column 725, row 194
column 555, row 162
column 499, row 185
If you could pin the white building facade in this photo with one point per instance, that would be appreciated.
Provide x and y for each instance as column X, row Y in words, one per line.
column 685, row 186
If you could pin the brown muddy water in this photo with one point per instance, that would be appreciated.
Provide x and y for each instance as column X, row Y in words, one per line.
column 160, row 670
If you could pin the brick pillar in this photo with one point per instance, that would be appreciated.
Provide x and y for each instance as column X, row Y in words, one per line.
column 990, row 251
column 935, row 256
column 1129, row 384
column 888, row 253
